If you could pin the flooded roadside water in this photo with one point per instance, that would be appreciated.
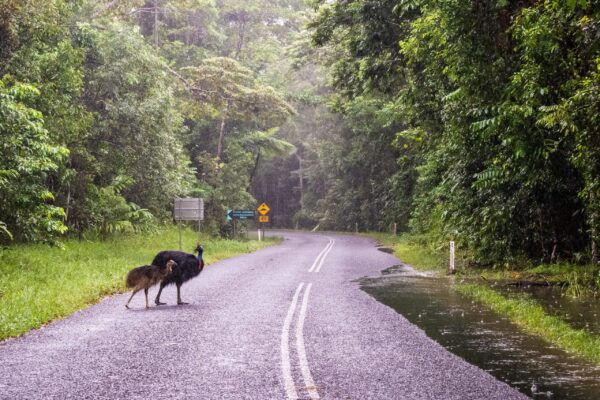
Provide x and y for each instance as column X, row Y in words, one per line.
column 484, row 338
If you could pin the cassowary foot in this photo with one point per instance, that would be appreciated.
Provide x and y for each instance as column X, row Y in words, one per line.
column 158, row 303
column 182, row 303
column 127, row 306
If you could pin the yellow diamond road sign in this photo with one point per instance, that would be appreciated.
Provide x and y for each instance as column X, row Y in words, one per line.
column 264, row 209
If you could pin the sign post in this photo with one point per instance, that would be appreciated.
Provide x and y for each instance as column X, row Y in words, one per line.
column 188, row 209
column 263, row 209
column 232, row 215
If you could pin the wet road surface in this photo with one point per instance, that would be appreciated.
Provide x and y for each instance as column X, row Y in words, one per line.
column 289, row 321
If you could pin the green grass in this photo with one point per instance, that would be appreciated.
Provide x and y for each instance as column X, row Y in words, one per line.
column 583, row 280
column 411, row 250
column 531, row 317
column 39, row 284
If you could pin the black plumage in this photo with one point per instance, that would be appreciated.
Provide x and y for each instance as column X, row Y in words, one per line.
column 188, row 266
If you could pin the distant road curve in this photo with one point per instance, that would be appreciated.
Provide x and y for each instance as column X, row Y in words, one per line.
column 285, row 322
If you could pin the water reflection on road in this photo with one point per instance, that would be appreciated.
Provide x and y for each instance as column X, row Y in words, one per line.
column 483, row 338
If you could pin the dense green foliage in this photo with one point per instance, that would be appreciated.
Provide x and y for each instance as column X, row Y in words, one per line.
column 25, row 160
column 110, row 109
column 467, row 120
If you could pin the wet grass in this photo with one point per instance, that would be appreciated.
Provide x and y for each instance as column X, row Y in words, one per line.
column 39, row 284
column 578, row 280
column 532, row 318
column 413, row 250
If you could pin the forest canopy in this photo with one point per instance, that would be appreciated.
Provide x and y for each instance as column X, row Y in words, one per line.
column 477, row 121
column 110, row 109
column 474, row 121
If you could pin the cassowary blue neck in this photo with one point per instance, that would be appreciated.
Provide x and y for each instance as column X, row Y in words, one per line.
column 200, row 251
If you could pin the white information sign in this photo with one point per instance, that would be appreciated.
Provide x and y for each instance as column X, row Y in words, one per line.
column 189, row 209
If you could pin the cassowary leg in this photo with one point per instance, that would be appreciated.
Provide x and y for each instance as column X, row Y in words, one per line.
column 146, row 293
column 179, row 295
column 132, row 294
column 157, row 300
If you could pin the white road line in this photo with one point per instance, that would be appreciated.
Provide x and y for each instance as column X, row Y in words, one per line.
column 308, row 379
column 324, row 255
column 286, row 368
column 312, row 268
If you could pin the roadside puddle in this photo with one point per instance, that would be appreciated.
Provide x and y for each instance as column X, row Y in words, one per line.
column 484, row 338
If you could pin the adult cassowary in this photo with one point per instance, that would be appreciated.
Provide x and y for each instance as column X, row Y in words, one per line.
column 188, row 266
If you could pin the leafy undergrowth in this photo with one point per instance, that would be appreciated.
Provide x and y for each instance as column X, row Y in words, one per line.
column 39, row 284
column 531, row 317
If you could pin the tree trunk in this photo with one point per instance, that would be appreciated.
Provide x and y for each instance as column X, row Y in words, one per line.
column 554, row 255
column 253, row 174
column 221, row 135
column 222, row 132
column 300, row 172
column 68, row 204
column 301, row 180
column 594, row 234
column 594, row 247
column 240, row 43
column 156, row 24
column 594, row 230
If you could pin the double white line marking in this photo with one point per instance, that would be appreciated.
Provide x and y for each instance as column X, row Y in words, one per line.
column 286, row 368
column 316, row 267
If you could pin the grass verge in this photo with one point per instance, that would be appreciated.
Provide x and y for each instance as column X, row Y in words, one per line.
column 531, row 317
column 581, row 280
column 39, row 284
column 411, row 250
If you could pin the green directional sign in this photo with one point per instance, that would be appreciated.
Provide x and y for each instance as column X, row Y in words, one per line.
column 240, row 214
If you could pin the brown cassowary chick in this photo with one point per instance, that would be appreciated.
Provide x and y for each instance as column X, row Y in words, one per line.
column 188, row 267
column 146, row 276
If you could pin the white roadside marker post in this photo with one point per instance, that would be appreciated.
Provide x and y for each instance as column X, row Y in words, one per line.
column 452, row 270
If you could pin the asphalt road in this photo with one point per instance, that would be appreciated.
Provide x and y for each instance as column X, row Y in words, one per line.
column 287, row 321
